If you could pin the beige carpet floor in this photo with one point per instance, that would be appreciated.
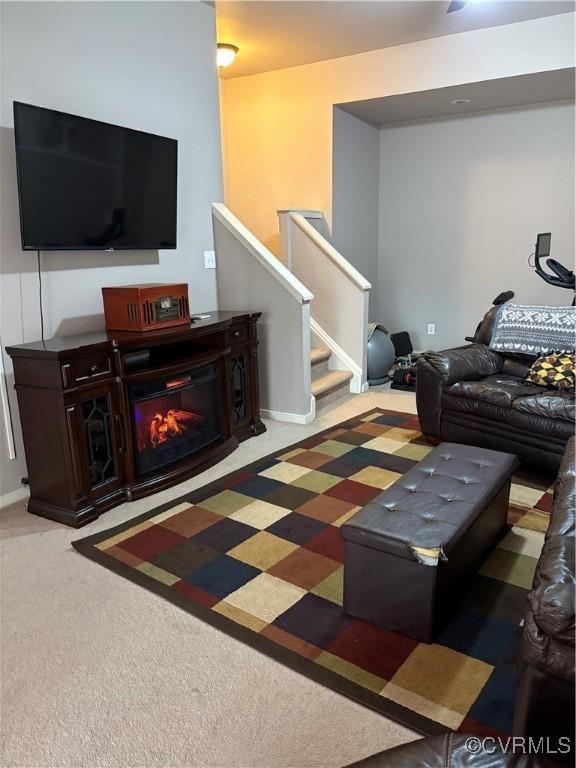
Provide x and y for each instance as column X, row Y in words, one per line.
column 97, row 672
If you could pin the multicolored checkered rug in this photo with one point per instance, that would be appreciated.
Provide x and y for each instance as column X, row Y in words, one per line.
column 258, row 554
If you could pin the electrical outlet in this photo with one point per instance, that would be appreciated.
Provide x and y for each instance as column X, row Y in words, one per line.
column 209, row 259
column 431, row 329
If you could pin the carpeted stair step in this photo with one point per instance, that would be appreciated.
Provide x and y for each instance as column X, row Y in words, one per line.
column 319, row 357
column 319, row 354
column 329, row 382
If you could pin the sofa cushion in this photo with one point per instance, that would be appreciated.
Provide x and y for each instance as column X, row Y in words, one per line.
column 501, row 417
column 549, row 403
column 499, row 389
column 516, row 366
column 507, row 392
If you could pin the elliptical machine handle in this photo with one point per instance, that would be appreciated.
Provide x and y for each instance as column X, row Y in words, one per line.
column 566, row 275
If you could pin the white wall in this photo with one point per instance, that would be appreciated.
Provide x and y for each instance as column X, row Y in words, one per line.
column 355, row 190
column 277, row 126
column 145, row 65
column 461, row 203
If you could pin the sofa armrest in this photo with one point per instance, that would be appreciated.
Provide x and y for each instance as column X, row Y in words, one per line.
column 552, row 597
column 548, row 635
column 554, row 611
column 563, row 518
column 464, row 363
column 435, row 370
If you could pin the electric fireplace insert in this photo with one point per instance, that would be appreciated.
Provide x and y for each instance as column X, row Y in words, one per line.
column 174, row 417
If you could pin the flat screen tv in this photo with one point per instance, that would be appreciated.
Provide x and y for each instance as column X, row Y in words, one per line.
column 87, row 185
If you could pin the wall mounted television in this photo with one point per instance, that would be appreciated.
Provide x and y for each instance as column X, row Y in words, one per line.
column 88, row 185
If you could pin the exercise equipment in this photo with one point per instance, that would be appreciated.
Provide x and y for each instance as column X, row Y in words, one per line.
column 381, row 354
column 404, row 378
column 402, row 347
column 562, row 277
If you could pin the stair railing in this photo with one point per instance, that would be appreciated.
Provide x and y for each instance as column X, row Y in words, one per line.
column 339, row 313
column 250, row 278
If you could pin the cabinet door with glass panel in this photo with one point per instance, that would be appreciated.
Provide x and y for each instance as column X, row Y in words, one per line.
column 239, row 373
column 98, row 446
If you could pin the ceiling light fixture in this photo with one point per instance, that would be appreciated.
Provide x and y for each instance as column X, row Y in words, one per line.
column 456, row 5
column 460, row 101
column 225, row 54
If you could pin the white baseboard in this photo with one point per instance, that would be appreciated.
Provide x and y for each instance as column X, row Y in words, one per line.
column 293, row 418
column 13, row 497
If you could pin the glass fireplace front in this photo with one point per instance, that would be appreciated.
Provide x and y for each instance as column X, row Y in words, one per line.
column 174, row 417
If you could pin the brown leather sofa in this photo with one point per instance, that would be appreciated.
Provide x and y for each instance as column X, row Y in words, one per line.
column 453, row 750
column 476, row 396
column 545, row 698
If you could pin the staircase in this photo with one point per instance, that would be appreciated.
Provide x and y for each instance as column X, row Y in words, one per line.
column 328, row 385
column 323, row 349
column 338, row 309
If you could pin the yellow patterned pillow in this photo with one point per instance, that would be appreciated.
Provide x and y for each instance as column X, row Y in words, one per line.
column 558, row 371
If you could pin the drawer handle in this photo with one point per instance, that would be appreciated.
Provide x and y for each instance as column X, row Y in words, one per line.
column 93, row 368
column 122, row 446
column 236, row 333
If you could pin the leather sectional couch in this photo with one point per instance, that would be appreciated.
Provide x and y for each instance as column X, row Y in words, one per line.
column 545, row 698
column 476, row 396
column 452, row 750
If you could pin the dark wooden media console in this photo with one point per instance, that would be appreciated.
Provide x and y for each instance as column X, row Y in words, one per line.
column 115, row 415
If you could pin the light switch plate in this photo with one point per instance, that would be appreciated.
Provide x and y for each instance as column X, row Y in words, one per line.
column 209, row 259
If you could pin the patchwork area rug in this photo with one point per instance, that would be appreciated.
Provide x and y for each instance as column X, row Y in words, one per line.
column 258, row 554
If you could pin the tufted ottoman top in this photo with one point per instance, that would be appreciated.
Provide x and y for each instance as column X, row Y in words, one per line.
column 426, row 511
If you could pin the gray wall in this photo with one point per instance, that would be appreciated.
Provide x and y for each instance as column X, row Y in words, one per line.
column 461, row 202
column 146, row 65
column 355, row 183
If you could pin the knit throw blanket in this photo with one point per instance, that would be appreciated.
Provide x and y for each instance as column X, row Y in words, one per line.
column 529, row 330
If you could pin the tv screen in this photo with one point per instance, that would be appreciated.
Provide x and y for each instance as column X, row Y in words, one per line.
column 87, row 185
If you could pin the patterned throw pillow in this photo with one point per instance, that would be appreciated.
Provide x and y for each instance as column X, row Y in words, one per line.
column 558, row 371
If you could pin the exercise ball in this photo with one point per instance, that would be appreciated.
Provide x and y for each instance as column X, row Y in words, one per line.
column 381, row 354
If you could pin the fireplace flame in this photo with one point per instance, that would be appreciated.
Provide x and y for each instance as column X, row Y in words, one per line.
column 171, row 424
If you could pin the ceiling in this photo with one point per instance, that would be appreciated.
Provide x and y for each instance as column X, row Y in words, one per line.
column 273, row 34
column 506, row 92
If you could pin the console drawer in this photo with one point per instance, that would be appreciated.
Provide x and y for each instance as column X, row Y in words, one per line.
column 238, row 333
column 83, row 369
